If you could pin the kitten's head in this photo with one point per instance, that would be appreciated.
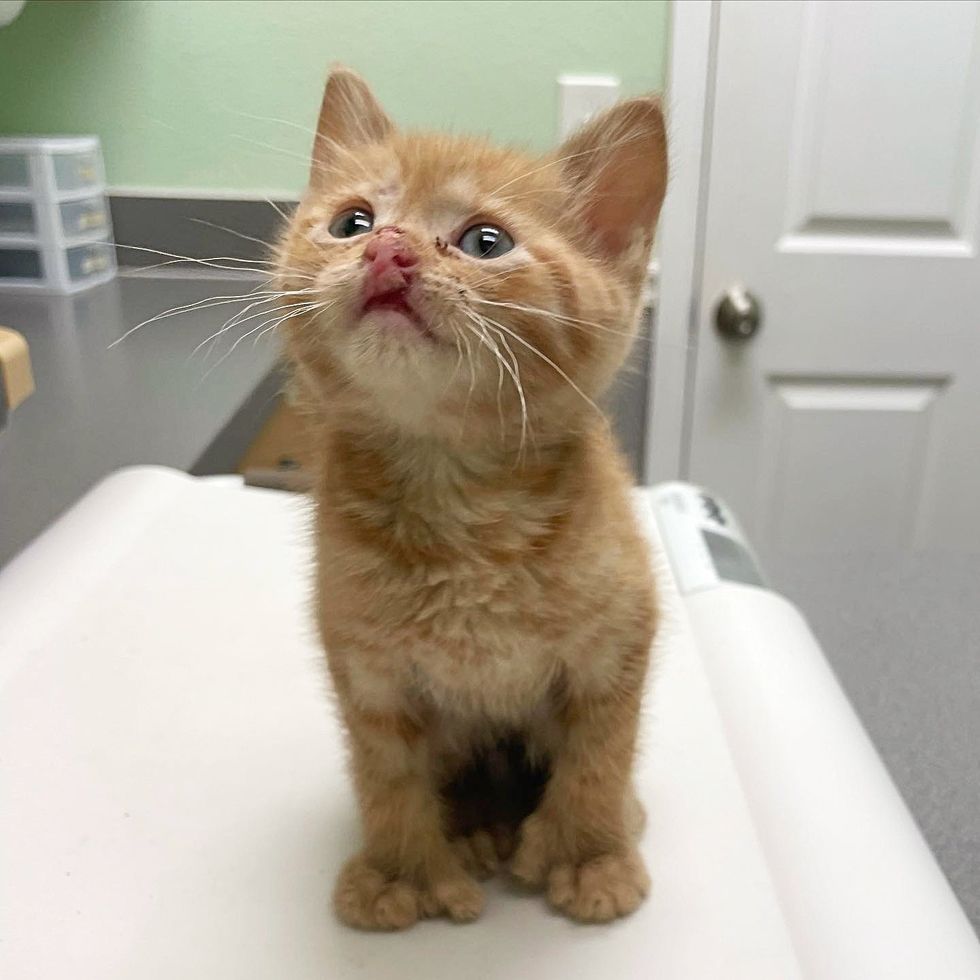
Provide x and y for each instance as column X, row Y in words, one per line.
column 457, row 289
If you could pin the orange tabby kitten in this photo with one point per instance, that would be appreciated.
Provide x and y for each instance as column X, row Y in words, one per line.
column 483, row 594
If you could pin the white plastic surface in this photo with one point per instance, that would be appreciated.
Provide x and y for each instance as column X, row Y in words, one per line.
column 860, row 890
column 685, row 514
column 175, row 801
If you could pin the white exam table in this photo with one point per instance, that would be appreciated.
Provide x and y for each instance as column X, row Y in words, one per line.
column 174, row 802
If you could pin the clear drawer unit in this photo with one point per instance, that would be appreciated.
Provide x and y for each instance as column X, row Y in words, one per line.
column 55, row 227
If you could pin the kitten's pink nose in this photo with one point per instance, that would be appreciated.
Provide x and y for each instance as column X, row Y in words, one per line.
column 391, row 259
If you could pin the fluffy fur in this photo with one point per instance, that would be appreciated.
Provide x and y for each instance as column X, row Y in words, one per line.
column 483, row 593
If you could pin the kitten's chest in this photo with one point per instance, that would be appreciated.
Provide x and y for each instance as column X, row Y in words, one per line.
column 481, row 613
column 456, row 588
column 477, row 634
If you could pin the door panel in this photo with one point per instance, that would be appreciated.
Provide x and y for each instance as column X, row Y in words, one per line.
column 843, row 192
column 885, row 151
column 847, row 462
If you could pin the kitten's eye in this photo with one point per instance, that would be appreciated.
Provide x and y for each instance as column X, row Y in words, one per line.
column 353, row 221
column 485, row 242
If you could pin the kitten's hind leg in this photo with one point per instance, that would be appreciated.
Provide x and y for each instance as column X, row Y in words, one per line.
column 470, row 800
column 488, row 798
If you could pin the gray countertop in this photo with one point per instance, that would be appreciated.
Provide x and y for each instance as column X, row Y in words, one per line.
column 146, row 400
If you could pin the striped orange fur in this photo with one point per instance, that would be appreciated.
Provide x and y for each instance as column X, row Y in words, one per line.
column 481, row 582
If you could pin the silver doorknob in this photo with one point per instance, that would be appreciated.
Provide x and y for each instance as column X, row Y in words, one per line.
column 738, row 314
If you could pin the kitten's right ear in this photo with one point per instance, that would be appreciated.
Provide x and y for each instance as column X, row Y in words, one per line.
column 349, row 116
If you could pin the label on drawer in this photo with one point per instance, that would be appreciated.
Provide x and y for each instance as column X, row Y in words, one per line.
column 97, row 262
column 91, row 219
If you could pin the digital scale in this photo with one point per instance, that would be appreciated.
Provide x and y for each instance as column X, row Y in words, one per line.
column 175, row 803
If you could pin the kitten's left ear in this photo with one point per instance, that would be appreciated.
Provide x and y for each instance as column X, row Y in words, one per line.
column 350, row 116
column 617, row 168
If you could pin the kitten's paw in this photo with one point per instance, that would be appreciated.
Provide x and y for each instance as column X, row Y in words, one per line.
column 600, row 889
column 367, row 899
column 478, row 852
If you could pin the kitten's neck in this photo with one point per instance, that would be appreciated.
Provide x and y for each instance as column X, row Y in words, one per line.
column 427, row 466
column 423, row 497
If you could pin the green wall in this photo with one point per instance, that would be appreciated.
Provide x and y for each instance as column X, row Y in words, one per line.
column 171, row 86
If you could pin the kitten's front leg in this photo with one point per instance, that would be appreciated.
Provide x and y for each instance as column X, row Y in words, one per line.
column 581, row 841
column 407, row 869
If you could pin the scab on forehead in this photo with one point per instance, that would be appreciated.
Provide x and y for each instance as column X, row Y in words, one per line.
column 388, row 189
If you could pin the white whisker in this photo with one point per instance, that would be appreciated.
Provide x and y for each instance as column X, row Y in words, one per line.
column 495, row 350
column 231, row 231
column 233, row 321
column 205, row 304
column 571, row 320
column 249, row 333
column 515, row 373
column 211, row 262
column 615, row 144
column 544, row 357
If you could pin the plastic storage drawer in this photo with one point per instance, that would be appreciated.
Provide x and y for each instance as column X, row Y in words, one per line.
column 77, row 171
column 84, row 218
column 17, row 218
column 90, row 261
column 55, row 225
column 15, row 170
column 57, row 166
column 23, row 263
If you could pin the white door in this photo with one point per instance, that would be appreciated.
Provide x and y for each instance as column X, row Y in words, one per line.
column 843, row 191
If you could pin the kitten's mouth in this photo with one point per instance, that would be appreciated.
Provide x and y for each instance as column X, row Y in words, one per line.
column 396, row 310
column 392, row 299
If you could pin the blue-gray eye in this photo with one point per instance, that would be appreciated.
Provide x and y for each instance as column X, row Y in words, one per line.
column 485, row 242
column 353, row 221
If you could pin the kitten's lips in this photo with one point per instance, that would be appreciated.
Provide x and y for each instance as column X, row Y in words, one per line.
column 397, row 310
column 392, row 299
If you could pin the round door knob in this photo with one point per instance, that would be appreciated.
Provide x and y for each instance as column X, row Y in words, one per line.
column 738, row 314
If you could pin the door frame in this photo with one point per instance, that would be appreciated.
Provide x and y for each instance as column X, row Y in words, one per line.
column 689, row 98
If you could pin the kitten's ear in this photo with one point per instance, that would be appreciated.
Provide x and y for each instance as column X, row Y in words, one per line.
column 617, row 168
column 349, row 116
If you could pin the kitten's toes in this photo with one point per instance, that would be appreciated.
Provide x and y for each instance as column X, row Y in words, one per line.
column 504, row 840
column 460, row 898
column 533, row 855
column 478, row 854
column 366, row 899
column 599, row 889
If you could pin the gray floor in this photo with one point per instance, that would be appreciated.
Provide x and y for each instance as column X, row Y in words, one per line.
column 903, row 636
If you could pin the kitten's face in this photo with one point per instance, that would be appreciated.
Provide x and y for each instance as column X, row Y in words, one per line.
column 466, row 291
